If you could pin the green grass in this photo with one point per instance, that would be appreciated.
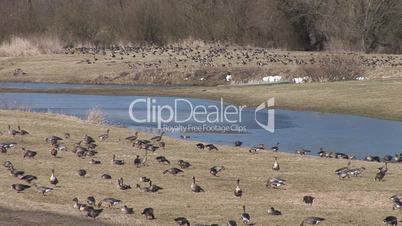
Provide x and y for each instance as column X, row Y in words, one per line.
column 355, row 201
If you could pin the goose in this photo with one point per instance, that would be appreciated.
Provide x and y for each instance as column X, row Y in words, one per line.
column 132, row 138
column 160, row 145
column 127, row 210
column 322, row 153
column 238, row 192
column 182, row 221
column 117, row 161
column 76, row 205
column 109, row 201
column 148, row 213
column 195, row 187
column 53, row 179
column 95, row 162
column 391, row 220
column 93, row 213
column 308, row 199
column 272, row 211
column 200, row 146
column 88, row 140
column 257, row 148
column 91, row 200
column 211, row 147
column 138, row 162
column 121, row 184
column 397, row 202
column 67, row 135
column 53, row 152
column 238, row 143
column 12, row 132
column 312, row 221
column 103, row 137
column 142, row 189
column 145, row 179
column 184, row 137
column 275, row 183
column 162, row 159
column 14, row 172
column 82, row 172
column 302, row 151
column 22, row 132
column 245, row 217
column 28, row 178
column 382, row 172
column 29, row 153
column 183, row 164
column 53, row 139
column 158, row 138
column 19, row 187
column 231, row 223
column 216, row 169
column 106, row 177
column 275, row 148
column 8, row 164
column 275, row 166
column 153, row 187
column 42, row 189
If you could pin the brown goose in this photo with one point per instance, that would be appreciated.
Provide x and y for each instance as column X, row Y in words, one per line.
column 272, row 211
column 104, row 137
column 312, row 221
column 173, row 171
column 153, row 187
column 82, row 172
column 275, row 166
column 216, row 169
column 117, row 161
column 183, row 164
column 42, row 189
column 238, row 192
column 132, row 138
column 195, row 187
column 148, row 213
column 158, row 138
column 182, row 221
column 19, row 187
column 127, row 210
column 28, row 153
column 121, row 184
column 29, row 178
column 53, row 179
column 308, row 199
column 12, row 132
column 162, row 159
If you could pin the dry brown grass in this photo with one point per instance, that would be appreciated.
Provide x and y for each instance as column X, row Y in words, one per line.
column 18, row 46
column 355, row 201
column 96, row 116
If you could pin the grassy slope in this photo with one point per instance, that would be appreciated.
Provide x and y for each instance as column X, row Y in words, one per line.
column 356, row 201
column 373, row 98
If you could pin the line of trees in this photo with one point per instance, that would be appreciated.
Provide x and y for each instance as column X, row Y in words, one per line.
column 362, row 25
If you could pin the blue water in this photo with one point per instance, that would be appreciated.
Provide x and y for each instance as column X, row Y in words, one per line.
column 354, row 135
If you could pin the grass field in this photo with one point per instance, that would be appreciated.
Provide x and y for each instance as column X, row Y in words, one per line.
column 355, row 201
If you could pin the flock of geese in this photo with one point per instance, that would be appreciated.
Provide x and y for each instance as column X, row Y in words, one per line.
column 87, row 147
column 215, row 56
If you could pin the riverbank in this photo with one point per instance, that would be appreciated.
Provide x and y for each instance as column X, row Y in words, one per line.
column 355, row 201
column 372, row 98
column 206, row 65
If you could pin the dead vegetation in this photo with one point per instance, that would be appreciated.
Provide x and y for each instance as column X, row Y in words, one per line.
column 354, row 201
